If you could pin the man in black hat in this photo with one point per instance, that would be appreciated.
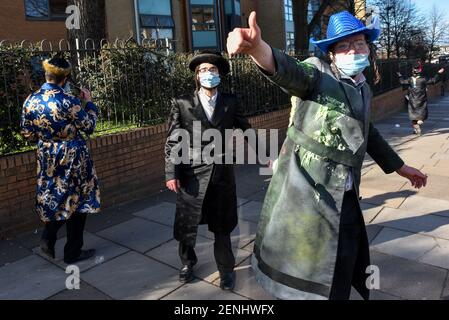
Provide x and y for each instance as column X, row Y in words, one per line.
column 417, row 95
column 206, row 192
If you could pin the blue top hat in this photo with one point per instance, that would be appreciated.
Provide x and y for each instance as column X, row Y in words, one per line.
column 343, row 25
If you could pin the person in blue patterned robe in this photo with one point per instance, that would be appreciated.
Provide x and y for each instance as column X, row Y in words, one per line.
column 67, row 184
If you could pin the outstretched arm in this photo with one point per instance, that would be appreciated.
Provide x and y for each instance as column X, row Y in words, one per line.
column 85, row 119
column 437, row 77
column 295, row 77
column 402, row 80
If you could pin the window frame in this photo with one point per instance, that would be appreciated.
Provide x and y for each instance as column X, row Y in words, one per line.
column 50, row 16
column 288, row 10
column 216, row 30
column 203, row 23
column 172, row 28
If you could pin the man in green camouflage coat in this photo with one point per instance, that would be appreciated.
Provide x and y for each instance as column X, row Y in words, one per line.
column 311, row 241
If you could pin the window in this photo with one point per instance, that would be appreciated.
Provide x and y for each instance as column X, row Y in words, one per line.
column 155, row 7
column 204, row 28
column 203, row 18
column 156, row 20
column 288, row 8
column 155, row 33
column 237, row 10
column 45, row 9
column 290, row 45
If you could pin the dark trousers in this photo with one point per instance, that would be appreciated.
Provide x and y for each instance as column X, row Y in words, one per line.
column 352, row 249
column 224, row 257
column 75, row 229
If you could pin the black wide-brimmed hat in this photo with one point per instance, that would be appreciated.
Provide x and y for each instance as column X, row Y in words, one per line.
column 212, row 57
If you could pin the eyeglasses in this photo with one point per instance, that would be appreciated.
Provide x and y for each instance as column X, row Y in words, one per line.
column 211, row 69
column 359, row 45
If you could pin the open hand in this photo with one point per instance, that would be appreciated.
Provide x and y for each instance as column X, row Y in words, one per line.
column 173, row 185
column 85, row 95
column 416, row 177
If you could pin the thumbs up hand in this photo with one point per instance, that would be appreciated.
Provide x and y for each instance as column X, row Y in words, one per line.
column 245, row 40
column 249, row 41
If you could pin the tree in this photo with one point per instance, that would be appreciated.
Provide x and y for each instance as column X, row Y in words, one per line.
column 305, row 29
column 92, row 22
column 416, row 45
column 437, row 30
column 399, row 20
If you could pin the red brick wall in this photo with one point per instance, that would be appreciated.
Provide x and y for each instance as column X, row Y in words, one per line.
column 15, row 26
column 129, row 165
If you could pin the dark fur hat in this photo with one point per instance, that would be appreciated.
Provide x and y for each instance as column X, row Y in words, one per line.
column 57, row 66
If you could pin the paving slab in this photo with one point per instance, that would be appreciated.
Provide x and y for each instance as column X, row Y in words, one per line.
column 241, row 236
column 163, row 213
column 12, row 250
column 445, row 294
column 417, row 222
column 201, row 290
column 382, row 198
column 105, row 250
column 372, row 231
column 438, row 256
column 370, row 211
column 85, row 292
column 31, row 278
column 402, row 244
column 408, row 279
column 436, row 188
column 250, row 211
column 206, row 268
column 247, row 285
column 424, row 205
column 138, row 234
column 133, row 276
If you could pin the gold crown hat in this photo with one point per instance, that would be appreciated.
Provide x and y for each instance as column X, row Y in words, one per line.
column 57, row 66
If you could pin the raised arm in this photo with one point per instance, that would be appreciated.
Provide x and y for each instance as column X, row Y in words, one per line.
column 295, row 77
column 85, row 119
column 402, row 80
column 437, row 77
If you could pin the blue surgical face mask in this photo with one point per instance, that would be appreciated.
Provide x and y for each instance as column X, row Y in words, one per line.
column 351, row 64
column 209, row 80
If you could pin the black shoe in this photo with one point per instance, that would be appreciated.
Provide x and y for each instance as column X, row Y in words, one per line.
column 49, row 252
column 186, row 273
column 227, row 280
column 84, row 255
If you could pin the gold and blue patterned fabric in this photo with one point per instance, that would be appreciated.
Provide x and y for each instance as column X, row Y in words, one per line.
column 66, row 179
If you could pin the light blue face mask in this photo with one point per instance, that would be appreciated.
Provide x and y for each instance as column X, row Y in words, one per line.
column 352, row 64
column 209, row 80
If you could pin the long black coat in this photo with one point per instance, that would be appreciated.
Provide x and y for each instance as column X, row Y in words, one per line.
column 208, row 193
column 417, row 96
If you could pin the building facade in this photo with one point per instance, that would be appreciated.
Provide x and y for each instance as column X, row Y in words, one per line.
column 188, row 25
column 32, row 20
